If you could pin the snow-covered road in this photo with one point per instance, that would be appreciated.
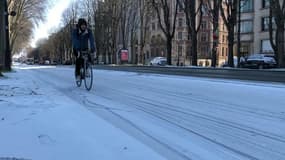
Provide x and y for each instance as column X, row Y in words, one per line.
column 139, row 116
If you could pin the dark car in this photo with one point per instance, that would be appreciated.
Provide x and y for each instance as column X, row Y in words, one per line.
column 259, row 61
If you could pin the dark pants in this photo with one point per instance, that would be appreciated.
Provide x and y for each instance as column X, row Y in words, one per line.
column 79, row 62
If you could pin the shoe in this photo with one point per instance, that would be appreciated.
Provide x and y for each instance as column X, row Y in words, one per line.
column 81, row 71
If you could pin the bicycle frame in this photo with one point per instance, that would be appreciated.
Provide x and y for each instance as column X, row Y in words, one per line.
column 87, row 74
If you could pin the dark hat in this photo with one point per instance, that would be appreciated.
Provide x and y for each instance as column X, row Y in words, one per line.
column 81, row 21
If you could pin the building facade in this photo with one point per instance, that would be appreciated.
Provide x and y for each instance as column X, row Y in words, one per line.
column 181, row 43
column 254, row 35
column 255, row 27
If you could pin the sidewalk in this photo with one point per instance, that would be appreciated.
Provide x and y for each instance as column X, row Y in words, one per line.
column 39, row 123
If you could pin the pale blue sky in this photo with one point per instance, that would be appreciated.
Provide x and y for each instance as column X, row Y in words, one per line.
column 52, row 21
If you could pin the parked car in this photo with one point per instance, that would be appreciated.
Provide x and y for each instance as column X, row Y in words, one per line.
column 259, row 61
column 30, row 61
column 226, row 64
column 47, row 62
column 161, row 61
column 54, row 62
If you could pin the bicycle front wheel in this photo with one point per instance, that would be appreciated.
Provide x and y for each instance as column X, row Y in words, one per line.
column 88, row 80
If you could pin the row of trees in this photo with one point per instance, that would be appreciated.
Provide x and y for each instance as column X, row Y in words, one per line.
column 114, row 22
column 125, row 24
column 28, row 13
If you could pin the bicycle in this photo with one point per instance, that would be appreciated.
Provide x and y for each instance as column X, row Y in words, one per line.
column 86, row 72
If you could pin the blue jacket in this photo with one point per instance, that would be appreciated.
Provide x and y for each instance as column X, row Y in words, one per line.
column 80, row 40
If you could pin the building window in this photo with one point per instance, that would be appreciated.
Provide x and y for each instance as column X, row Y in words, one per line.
column 204, row 50
column 265, row 23
column 246, row 5
column 265, row 3
column 204, row 10
column 180, row 35
column 180, row 22
column 224, row 27
column 244, row 49
column 180, row 7
column 266, row 46
column 180, row 48
column 203, row 37
column 153, row 26
column 246, row 26
column 204, row 25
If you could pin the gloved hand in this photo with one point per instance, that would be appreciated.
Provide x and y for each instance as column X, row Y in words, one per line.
column 78, row 54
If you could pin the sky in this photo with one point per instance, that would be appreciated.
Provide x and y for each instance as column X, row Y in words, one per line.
column 137, row 116
column 53, row 19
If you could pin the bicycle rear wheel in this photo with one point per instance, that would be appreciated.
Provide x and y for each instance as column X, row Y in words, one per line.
column 88, row 80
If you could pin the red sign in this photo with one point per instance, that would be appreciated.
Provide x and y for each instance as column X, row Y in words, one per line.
column 124, row 55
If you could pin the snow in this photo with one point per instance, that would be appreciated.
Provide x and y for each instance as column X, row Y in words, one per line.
column 39, row 122
column 43, row 115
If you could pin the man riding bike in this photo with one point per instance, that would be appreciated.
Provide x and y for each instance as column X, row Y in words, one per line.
column 82, row 40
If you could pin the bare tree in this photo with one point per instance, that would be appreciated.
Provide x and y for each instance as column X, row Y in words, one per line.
column 228, row 11
column 192, row 13
column 19, row 39
column 124, row 7
column 69, row 19
column 28, row 12
column 112, row 10
column 167, row 22
column 213, row 8
column 144, row 14
column 277, row 37
column 100, row 32
column 107, row 18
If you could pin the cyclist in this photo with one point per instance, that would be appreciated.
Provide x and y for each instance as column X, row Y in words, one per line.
column 82, row 40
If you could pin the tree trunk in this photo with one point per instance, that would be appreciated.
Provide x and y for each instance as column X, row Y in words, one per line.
column 280, row 49
column 8, row 57
column 231, row 47
column 194, row 48
column 169, row 50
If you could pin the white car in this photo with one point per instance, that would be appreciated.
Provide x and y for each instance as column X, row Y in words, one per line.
column 158, row 61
